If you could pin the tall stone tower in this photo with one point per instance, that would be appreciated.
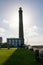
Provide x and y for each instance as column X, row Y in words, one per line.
column 21, row 34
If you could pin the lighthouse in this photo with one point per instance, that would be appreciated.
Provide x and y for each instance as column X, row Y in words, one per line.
column 21, row 33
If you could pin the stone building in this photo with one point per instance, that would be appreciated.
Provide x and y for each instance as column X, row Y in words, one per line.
column 18, row 42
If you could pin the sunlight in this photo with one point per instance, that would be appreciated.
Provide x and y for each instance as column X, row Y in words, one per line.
column 14, row 18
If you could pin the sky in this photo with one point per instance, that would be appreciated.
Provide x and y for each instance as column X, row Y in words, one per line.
column 32, row 20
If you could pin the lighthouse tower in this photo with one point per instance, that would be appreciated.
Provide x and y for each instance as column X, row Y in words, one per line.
column 21, row 34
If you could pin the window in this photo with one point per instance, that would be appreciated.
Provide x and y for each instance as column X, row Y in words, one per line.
column 16, row 42
column 9, row 41
column 12, row 42
column 19, row 42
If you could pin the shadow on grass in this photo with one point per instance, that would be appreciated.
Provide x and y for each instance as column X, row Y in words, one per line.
column 21, row 57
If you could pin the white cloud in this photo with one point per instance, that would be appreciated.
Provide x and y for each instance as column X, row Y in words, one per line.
column 5, row 21
column 32, row 35
column 11, row 36
column 31, row 31
column 38, row 40
column 13, row 25
column 2, row 30
column 35, row 27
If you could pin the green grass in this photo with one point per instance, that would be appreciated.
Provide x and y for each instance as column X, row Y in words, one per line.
column 16, row 56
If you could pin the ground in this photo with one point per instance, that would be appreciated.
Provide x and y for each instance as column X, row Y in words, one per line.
column 17, row 56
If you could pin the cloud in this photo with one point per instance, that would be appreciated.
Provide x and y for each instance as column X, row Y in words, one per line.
column 11, row 36
column 31, row 34
column 5, row 21
column 31, row 31
column 13, row 25
column 38, row 40
column 2, row 30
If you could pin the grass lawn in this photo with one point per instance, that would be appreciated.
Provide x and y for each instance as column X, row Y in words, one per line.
column 16, row 56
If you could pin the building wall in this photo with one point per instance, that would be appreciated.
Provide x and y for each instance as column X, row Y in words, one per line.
column 16, row 42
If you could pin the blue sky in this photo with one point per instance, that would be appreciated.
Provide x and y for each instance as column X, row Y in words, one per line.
column 32, row 20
